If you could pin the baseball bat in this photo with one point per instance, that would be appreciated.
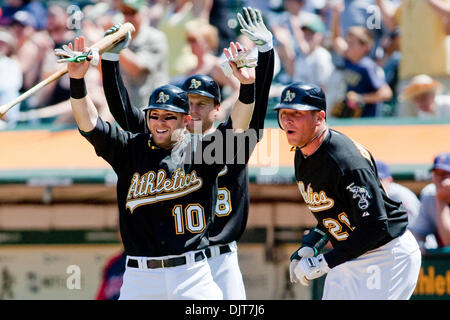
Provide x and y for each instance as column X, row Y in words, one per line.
column 103, row 45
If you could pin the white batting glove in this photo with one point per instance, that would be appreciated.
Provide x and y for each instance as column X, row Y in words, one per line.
column 242, row 60
column 305, row 252
column 292, row 274
column 113, row 53
column 255, row 29
column 311, row 268
column 68, row 55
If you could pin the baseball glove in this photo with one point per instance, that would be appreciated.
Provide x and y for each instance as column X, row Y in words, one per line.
column 351, row 107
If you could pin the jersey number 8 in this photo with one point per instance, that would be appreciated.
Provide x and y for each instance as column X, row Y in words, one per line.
column 223, row 205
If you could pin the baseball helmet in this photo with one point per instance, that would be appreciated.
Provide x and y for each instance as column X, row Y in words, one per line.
column 203, row 85
column 169, row 97
column 301, row 96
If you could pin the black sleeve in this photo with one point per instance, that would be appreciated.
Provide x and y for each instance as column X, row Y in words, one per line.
column 367, row 215
column 111, row 143
column 128, row 117
column 315, row 238
column 264, row 75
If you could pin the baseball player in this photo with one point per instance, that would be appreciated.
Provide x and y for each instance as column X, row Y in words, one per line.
column 166, row 197
column 374, row 256
column 204, row 95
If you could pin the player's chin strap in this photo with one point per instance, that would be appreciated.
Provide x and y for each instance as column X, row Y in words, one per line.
column 315, row 137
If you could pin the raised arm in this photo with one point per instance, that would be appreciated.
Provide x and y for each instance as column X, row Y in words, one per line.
column 338, row 42
column 252, row 25
column 243, row 108
column 127, row 116
column 387, row 13
column 83, row 108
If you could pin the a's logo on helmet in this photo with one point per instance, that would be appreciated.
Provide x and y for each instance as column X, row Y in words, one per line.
column 162, row 98
column 289, row 96
column 195, row 84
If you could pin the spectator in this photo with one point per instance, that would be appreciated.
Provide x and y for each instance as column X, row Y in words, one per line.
column 57, row 30
column 423, row 92
column 390, row 61
column 316, row 65
column 366, row 85
column 35, row 8
column 287, row 30
column 423, row 45
column 203, row 40
column 398, row 192
column 177, row 13
column 218, row 17
column 112, row 277
column 10, row 78
column 144, row 64
column 357, row 13
column 31, row 47
column 434, row 215
column 51, row 104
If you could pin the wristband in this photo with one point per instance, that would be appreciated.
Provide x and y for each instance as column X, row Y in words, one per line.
column 77, row 88
column 110, row 56
column 247, row 93
column 265, row 47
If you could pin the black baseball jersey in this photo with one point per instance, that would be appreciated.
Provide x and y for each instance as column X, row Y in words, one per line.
column 340, row 185
column 166, row 198
column 233, row 201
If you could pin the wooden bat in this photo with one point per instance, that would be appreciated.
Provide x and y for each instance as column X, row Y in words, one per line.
column 103, row 45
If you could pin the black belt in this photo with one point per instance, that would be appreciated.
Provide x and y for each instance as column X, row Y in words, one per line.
column 165, row 263
column 222, row 249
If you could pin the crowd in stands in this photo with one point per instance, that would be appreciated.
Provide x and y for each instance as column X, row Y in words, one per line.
column 373, row 58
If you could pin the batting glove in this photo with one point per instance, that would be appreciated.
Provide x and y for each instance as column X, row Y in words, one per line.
column 243, row 60
column 113, row 53
column 255, row 29
column 68, row 55
column 305, row 252
column 311, row 268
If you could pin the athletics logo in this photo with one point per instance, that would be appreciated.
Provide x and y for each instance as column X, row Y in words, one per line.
column 316, row 201
column 162, row 98
column 195, row 84
column 289, row 96
column 154, row 187
column 362, row 194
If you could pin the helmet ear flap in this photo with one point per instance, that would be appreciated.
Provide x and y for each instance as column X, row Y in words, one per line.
column 279, row 119
column 147, row 121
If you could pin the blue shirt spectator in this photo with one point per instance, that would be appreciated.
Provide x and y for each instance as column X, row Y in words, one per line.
column 36, row 9
column 362, row 77
column 433, row 218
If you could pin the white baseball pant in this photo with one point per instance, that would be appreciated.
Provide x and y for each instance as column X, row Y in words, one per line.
column 227, row 274
column 191, row 281
column 389, row 272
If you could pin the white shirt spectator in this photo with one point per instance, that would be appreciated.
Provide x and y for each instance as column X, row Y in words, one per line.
column 315, row 67
column 442, row 109
column 10, row 84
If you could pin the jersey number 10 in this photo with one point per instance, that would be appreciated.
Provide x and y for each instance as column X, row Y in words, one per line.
column 192, row 219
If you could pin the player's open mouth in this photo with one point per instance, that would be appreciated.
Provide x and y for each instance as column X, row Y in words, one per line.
column 161, row 131
column 290, row 131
